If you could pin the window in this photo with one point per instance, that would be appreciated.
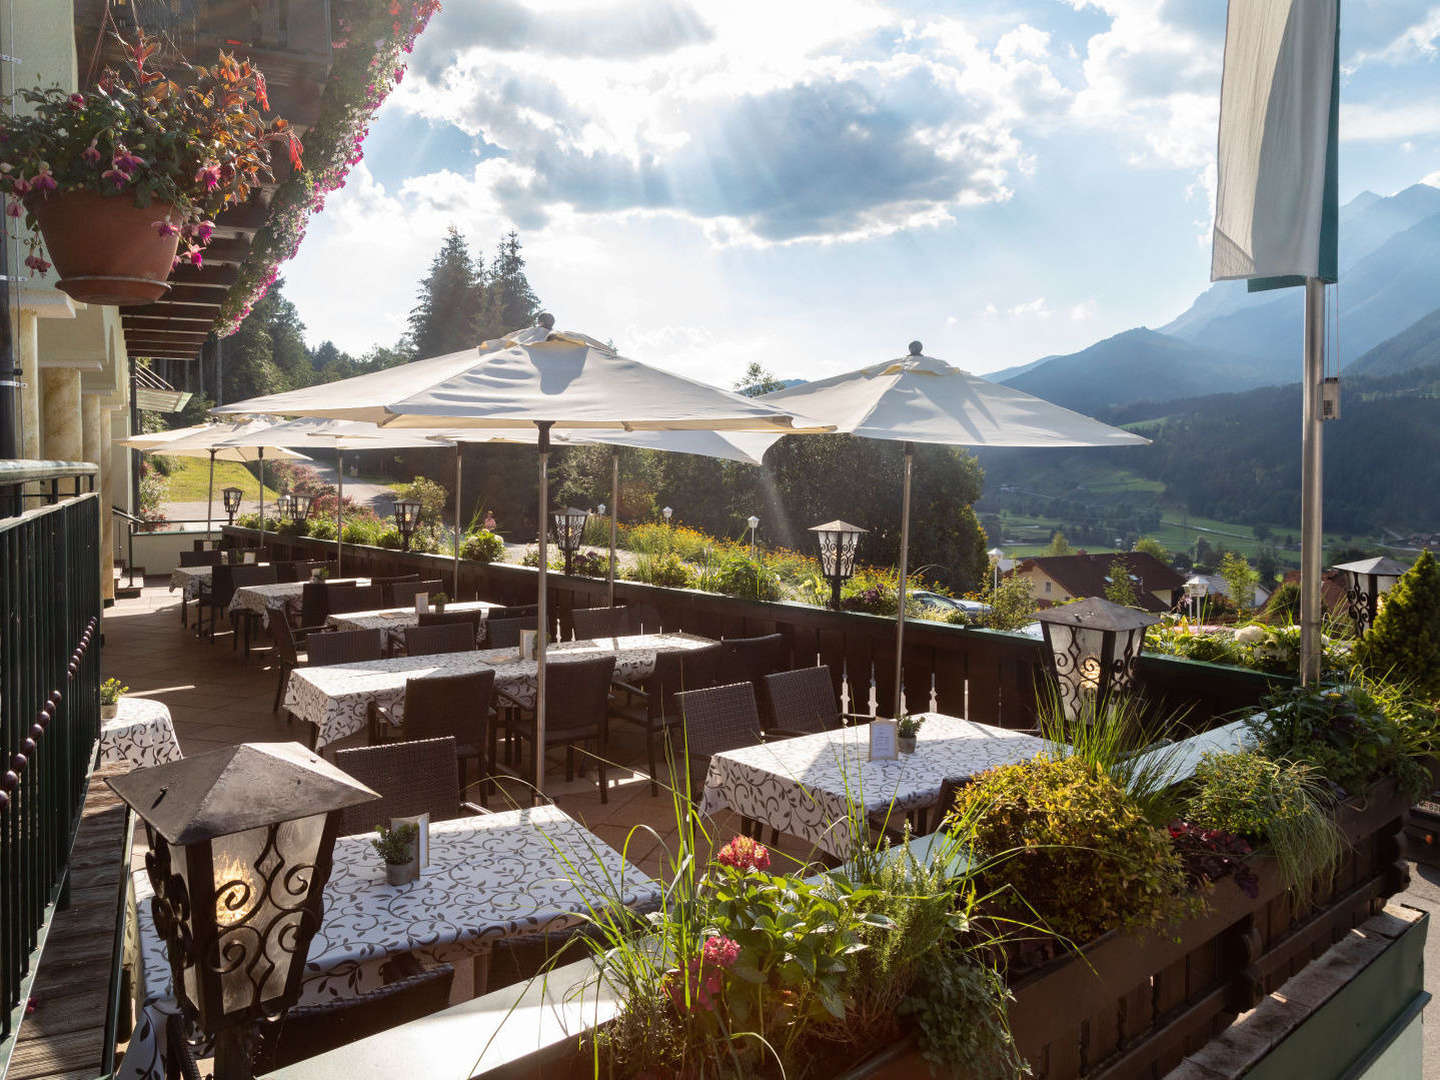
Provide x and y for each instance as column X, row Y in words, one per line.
column 1047, row 586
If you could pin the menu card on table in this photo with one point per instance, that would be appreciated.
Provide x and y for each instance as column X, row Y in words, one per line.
column 884, row 744
column 422, row 603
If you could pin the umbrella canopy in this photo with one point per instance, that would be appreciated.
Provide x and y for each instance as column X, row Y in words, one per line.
column 918, row 398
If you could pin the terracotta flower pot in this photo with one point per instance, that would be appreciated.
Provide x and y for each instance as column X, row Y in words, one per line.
column 402, row 873
column 107, row 250
column 109, row 712
column 905, row 743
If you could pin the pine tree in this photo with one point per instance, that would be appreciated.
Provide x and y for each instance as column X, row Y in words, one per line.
column 510, row 303
column 757, row 380
column 1119, row 589
column 442, row 320
column 1404, row 643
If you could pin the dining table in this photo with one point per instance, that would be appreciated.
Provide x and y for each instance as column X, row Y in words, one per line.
column 335, row 698
column 393, row 622
column 490, row 878
column 814, row 786
column 283, row 596
column 141, row 734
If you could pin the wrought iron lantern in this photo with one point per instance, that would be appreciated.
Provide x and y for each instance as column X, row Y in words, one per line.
column 1365, row 582
column 1091, row 649
column 838, row 542
column 285, row 506
column 241, row 846
column 300, row 505
column 754, row 523
column 569, row 532
column 1196, row 589
column 407, row 520
column 232, row 496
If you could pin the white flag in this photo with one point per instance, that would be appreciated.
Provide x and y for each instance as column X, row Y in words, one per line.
column 1275, row 196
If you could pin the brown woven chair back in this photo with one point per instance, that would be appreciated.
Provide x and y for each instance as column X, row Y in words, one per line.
column 284, row 638
column 803, row 699
column 678, row 670
column 718, row 719
column 390, row 579
column 356, row 598
column 402, row 593
column 417, row 777
column 201, row 558
column 451, row 618
column 505, row 633
column 644, row 619
column 430, row 640
column 307, row 1030
column 315, row 600
column 344, row 647
column 298, row 570
column 753, row 658
column 525, row 611
column 577, row 694
column 601, row 622
column 456, row 705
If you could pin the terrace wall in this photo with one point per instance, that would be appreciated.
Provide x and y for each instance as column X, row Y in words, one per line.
column 986, row 675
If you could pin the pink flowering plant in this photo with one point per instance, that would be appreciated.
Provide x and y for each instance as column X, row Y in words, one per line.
column 191, row 148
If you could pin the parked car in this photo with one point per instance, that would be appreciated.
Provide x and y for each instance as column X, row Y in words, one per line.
column 972, row 609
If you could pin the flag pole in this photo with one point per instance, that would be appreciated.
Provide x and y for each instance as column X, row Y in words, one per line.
column 1312, row 482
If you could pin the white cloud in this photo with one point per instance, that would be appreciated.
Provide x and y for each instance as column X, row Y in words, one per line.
column 1032, row 309
column 1084, row 310
column 1420, row 41
column 1362, row 122
column 1433, row 179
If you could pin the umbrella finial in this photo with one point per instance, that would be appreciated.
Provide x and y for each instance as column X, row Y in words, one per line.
column 916, row 348
column 546, row 320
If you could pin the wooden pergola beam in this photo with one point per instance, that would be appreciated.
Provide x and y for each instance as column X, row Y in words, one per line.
column 206, row 307
column 184, row 324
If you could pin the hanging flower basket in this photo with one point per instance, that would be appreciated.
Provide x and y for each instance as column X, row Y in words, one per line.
column 107, row 250
column 111, row 182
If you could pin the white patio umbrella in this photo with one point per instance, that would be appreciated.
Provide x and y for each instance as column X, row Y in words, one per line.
column 210, row 441
column 538, row 379
column 918, row 398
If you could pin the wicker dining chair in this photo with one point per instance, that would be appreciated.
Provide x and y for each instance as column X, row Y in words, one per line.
column 601, row 622
column 344, row 647
column 446, row 638
column 202, row 558
column 436, row 706
column 411, row 778
column 356, row 598
column 475, row 619
column 803, row 702
column 315, row 601
column 286, row 656
column 717, row 719
column 394, row 579
column 403, row 593
column 652, row 703
column 524, row 611
column 577, row 712
column 753, row 658
column 645, row 619
column 307, row 1030
column 505, row 633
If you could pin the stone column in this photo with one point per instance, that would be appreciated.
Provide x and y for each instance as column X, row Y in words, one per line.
column 96, row 439
column 60, row 415
column 26, row 350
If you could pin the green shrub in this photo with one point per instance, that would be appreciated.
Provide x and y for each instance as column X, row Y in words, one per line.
column 959, row 1009
column 670, row 571
column 482, row 546
column 1284, row 603
column 388, row 538
column 750, row 579
column 248, row 521
column 1064, row 844
column 1012, row 604
column 1404, row 643
column 1279, row 803
column 322, row 528
column 1353, row 735
column 361, row 531
column 431, row 497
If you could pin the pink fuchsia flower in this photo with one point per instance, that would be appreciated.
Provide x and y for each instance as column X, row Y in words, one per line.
column 92, row 153
column 20, row 186
column 126, row 161
column 720, row 950
column 36, row 264
column 744, row 854
column 204, row 230
column 165, row 227
column 6, row 167
column 209, row 175
column 44, row 179
column 195, row 255
column 116, row 177
column 13, row 209
column 76, row 101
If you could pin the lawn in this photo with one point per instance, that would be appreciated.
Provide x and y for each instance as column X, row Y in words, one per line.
column 190, row 477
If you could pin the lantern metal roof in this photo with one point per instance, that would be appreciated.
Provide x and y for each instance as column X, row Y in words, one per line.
column 1096, row 613
column 237, row 788
column 1382, row 566
column 838, row 526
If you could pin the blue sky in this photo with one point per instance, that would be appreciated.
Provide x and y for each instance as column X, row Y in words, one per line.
column 814, row 183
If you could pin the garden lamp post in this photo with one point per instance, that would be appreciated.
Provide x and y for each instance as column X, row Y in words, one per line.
column 569, row 532
column 667, row 512
column 300, row 505
column 241, row 846
column 1196, row 588
column 1365, row 582
column 1090, row 648
column 754, row 523
column 232, row 497
column 407, row 519
column 996, row 554
column 838, row 542
column 285, row 507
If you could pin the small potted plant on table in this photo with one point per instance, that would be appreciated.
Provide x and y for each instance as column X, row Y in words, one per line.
column 906, row 733
column 397, row 847
column 439, row 600
column 110, row 691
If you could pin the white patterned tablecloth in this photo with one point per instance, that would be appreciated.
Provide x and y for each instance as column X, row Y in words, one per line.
column 490, row 877
column 393, row 622
column 188, row 579
column 334, row 697
column 799, row 785
column 281, row 596
column 141, row 735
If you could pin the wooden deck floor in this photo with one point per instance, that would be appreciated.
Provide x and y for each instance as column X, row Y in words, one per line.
column 63, row 1039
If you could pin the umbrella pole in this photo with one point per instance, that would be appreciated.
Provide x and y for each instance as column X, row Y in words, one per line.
column 339, row 503
column 542, row 614
column 210, row 495
column 262, row 499
column 456, row 586
column 614, row 514
column 1311, row 484
column 900, row 592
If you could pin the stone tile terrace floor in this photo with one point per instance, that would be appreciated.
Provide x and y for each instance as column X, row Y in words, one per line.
column 217, row 698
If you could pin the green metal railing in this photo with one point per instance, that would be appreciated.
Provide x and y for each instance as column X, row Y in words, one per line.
column 49, row 699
